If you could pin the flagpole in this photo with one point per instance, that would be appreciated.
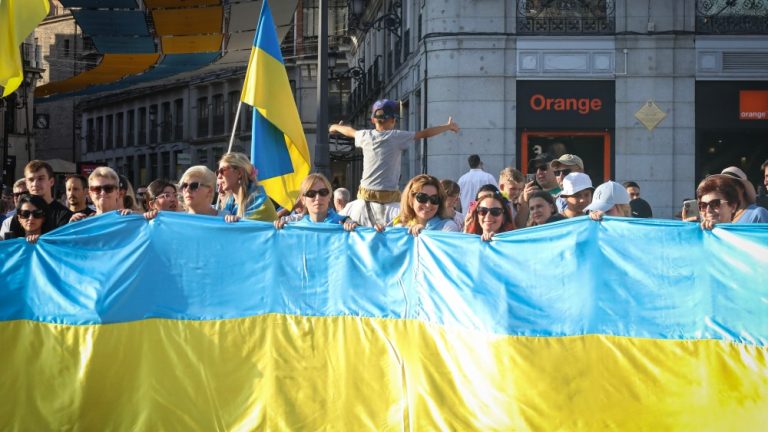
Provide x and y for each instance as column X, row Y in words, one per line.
column 234, row 127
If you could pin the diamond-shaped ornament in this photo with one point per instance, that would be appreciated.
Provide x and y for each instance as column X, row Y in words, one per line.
column 650, row 115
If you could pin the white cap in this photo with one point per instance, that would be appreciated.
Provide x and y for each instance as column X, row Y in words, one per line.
column 608, row 195
column 575, row 182
column 738, row 174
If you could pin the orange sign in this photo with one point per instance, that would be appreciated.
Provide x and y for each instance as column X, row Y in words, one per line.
column 581, row 105
column 753, row 104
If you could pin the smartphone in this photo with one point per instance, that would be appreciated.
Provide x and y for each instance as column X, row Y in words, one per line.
column 530, row 177
column 691, row 207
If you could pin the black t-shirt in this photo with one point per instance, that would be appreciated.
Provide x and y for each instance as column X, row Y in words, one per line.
column 56, row 216
column 86, row 211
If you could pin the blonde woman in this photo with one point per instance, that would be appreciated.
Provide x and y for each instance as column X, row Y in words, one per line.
column 243, row 197
column 103, row 188
column 423, row 207
column 316, row 193
column 197, row 186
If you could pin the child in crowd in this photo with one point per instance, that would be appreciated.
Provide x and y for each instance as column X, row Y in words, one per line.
column 379, row 192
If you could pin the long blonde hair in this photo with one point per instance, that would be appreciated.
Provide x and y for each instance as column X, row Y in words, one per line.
column 243, row 165
column 407, row 214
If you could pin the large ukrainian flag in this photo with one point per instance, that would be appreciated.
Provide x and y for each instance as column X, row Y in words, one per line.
column 278, row 146
column 119, row 324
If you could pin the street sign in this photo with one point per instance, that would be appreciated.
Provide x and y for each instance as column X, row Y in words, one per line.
column 183, row 159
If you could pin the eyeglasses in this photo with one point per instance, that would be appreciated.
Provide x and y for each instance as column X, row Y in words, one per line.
column 324, row 192
column 541, row 168
column 25, row 214
column 563, row 172
column 108, row 189
column 192, row 186
column 714, row 204
column 222, row 170
column 422, row 198
column 166, row 195
column 495, row 211
column 18, row 194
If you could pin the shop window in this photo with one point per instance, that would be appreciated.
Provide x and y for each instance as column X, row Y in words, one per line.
column 563, row 17
column 731, row 17
column 166, row 164
column 100, row 133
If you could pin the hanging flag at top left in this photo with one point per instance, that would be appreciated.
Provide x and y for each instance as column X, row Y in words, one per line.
column 18, row 18
column 278, row 145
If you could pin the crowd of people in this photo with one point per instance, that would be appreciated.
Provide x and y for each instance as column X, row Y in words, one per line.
column 557, row 188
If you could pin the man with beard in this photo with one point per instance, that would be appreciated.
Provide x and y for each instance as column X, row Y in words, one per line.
column 76, row 187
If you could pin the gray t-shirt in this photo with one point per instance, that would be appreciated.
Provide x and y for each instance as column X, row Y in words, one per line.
column 381, row 157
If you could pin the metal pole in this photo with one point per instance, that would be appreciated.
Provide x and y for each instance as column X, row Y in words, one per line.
column 322, row 149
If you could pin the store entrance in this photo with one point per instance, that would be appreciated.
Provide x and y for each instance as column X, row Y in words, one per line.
column 717, row 149
column 593, row 147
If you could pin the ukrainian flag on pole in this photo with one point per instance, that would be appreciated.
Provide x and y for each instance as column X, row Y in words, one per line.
column 278, row 147
column 18, row 18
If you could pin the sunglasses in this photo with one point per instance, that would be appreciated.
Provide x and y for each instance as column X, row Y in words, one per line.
column 108, row 189
column 25, row 214
column 563, row 172
column 422, row 198
column 222, row 170
column 324, row 192
column 713, row 204
column 541, row 168
column 495, row 211
column 18, row 194
column 191, row 186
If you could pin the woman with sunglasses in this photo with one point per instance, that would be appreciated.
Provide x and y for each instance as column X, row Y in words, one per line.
column 490, row 215
column 242, row 195
column 197, row 186
column 423, row 207
column 30, row 213
column 718, row 197
column 316, row 193
column 103, row 188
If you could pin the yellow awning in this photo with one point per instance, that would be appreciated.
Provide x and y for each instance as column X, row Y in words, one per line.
column 152, row 4
column 188, row 21
column 112, row 68
column 191, row 44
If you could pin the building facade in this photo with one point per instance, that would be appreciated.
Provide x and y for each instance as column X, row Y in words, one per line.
column 662, row 93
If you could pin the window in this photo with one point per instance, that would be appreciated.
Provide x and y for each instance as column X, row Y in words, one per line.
column 234, row 101
column 143, row 177
column 131, row 129
column 731, row 17
column 108, row 144
column 166, row 127
column 153, row 123
column 178, row 118
column 166, row 172
column 202, row 156
column 218, row 114
column 142, row 126
column 100, row 133
column 129, row 172
column 202, row 117
column 153, row 166
column 90, row 139
column 119, row 130
column 560, row 17
column 218, row 152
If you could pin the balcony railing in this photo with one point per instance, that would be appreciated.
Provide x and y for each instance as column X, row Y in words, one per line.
column 566, row 17
column 731, row 17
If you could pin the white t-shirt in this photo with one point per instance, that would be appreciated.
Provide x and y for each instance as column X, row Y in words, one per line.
column 382, row 213
column 470, row 183
column 382, row 151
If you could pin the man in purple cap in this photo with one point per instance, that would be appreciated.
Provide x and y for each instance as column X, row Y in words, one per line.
column 379, row 192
